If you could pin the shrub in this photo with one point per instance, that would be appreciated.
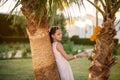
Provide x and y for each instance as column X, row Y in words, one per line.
column 14, row 39
column 68, row 46
column 85, row 41
column 3, row 51
column 81, row 41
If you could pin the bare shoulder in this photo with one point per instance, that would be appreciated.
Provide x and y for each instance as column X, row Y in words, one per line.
column 59, row 45
column 60, row 48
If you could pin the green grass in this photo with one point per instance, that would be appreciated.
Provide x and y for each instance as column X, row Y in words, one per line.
column 115, row 71
column 80, row 68
column 16, row 69
column 21, row 69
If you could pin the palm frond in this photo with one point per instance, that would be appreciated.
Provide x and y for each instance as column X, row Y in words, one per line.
column 116, row 7
column 98, row 8
column 103, row 4
column 40, row 6
column 55, row 5
column 3, row 2
column 80, row 3
column 16, row 5
column 52, row 8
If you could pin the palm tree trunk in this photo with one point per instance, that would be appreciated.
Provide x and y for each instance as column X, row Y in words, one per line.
column 102, row 58
column 42, row 56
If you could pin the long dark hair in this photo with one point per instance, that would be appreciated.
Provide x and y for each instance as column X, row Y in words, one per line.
column 53, row 31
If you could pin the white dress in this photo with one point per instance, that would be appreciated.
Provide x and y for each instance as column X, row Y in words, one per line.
column 62, row 64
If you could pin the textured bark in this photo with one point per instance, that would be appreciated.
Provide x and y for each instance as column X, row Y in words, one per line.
column 102, row 58
column 42, row 56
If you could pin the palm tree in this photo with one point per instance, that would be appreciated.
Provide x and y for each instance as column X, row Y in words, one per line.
column 36, row 13
column 43, row 60
column 102, row 58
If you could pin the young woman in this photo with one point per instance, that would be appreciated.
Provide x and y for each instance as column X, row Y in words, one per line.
column 61, row 56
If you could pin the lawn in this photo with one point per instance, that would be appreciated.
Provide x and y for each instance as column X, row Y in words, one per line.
column 16, row 69
column 21, row 69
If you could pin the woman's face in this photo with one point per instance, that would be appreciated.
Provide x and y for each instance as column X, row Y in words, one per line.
column 57, row 36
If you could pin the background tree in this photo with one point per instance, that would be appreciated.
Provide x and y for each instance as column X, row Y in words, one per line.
column 102, row 58
column 18, row 22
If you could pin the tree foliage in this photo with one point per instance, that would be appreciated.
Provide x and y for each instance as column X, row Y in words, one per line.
column 108, row 7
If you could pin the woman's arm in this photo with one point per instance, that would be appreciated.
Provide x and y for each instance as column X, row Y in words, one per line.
column 82, row 54
column 68, row 57
column 63, row 53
